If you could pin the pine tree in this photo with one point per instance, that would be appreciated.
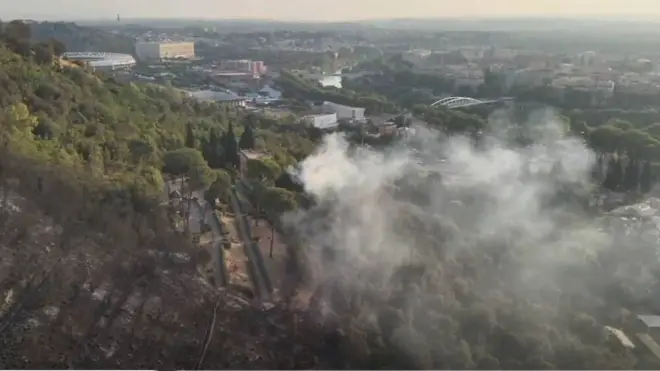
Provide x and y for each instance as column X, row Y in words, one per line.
column 190, row 136
column 632, row 176
column 212, row 150
column 597, row 171
column 247, row 138
column 645, row 177
column 230, row 147
column 613, row 180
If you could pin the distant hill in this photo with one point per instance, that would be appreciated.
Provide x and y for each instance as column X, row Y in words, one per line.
column 538, row 24
column 82, row 39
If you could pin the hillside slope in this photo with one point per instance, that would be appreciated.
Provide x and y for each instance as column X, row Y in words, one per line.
column 82, row 39
column 92, row 274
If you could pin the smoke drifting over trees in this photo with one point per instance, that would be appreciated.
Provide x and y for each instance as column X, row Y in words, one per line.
column 459, row 255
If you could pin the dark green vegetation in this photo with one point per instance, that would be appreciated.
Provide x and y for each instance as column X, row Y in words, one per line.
column 81, row 39
column 85, row 154
column 296, row 87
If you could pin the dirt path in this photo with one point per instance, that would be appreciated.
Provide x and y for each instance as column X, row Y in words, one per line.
column 235, row 258
column 276, row 265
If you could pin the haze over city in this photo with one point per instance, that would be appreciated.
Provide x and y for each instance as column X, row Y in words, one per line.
column 337, row 10
column 365, row 185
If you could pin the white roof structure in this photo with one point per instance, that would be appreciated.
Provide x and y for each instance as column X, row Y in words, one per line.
column 217, row 96
column 103, row 60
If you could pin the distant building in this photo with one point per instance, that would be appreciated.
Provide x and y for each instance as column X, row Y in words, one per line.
column 334, row 81
column 270, row 92
column 343, row 112
column 102, row 61
column 154, row 51
column 236, row 79
column 417, row 56
column 218, row 96
column 324, row 121
column 245, row 65
column 245, row 155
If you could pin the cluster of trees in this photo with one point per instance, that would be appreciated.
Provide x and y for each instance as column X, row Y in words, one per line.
column 491, row 300
column 402, row 83
column 398, row 80
column 296, row 87
column 17, row 36
column 625, row 154
column 90, row 276
column 81, row 39
column 248, row 48
column 88, row 154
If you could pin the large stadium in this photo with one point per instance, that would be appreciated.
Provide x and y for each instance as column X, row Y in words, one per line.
column 102, row 61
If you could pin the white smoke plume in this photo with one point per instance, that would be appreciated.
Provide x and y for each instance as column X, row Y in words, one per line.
column 380, row 210
column 433, row 222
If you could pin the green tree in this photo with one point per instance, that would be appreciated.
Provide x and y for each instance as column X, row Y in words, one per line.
column 192, row 170
column 614, row 178
column 277, row 201
column 190, row 136
column 632, row 176
column 605, row 139
column 620, row 124
column 261, row 174
column 635, row 141
column 263, row 170
column 653, row 130
column 645, row 177
column 247, row 138
column 213, row 150
column 231, row 148
column 43, row 53
column 219, row 188
column 17, row 30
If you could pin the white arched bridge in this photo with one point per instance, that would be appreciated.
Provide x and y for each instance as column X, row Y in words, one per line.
column 459, row 102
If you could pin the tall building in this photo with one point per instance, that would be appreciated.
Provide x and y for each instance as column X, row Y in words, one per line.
column 152, row 51
column 245, row 65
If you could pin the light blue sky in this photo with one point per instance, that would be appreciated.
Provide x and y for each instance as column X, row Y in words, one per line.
column 327, row 10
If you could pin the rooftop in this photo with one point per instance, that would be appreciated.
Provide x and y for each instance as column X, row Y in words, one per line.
column 650, row 320
column 232, row 73
column 96, row 59
column 253, row 155
column 217, row 96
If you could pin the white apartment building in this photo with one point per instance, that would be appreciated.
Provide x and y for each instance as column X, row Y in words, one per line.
column 417, row 56
column 343, row 112
column 323, row 122
column 154, row 51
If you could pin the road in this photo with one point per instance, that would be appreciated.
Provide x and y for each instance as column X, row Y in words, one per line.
column 260, row 279
column 206, row 215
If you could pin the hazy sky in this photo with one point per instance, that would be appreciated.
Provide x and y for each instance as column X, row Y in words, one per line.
column 327, row 10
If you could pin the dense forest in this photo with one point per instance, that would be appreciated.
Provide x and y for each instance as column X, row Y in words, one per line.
column 80, row 168
column 82, row 39
column 90, row 278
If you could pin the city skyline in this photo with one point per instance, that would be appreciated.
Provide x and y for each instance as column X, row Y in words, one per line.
column 339, row 10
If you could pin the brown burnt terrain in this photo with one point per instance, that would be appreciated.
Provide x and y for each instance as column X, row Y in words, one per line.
column 130, row 298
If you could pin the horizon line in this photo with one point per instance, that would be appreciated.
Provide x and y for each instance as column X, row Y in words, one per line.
column 499, row 17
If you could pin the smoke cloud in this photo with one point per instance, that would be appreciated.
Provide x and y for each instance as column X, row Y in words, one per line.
column 509, row 212
column 380, row 210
